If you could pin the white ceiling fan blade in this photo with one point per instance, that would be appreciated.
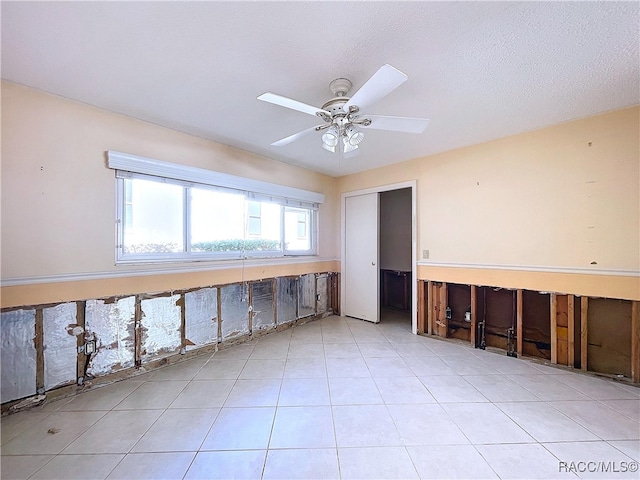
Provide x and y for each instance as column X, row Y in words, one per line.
column 294, row 137
column 397, row 124
column 383, row 82
column 292, row 104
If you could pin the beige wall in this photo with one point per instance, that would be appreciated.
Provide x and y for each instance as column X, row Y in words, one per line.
column 58, row 196
column 558, row 198
column 564, row 197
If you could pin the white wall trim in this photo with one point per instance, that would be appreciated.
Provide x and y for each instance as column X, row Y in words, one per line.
column 533, row 268
column 149, row 166
column 163, row 270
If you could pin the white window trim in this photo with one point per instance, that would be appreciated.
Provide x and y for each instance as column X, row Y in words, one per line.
column 131, row 166
column 149, row 166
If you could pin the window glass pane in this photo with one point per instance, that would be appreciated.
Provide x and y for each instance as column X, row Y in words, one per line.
column 297, row 229
column 153, row 214
column 253, row 227
column 263, row 232
column 217, row 221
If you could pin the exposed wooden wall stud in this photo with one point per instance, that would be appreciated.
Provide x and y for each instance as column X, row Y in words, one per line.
column 421, row 310
column 519, row 330
column 635, row 342
column 554, row 328
column 571, row 357
column 474, row 315
column 584, row 310
column 430, row 306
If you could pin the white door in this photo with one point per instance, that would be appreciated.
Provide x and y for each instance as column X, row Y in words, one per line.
column 362, row 279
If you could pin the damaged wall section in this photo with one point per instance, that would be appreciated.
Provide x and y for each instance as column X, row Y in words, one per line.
column 138, row 329
column 201, row 317
column 111, row 323
column 60, row 344
column 18, row 354
column 160, row 327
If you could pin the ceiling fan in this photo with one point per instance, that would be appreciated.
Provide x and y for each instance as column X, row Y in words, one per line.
column 343, row 121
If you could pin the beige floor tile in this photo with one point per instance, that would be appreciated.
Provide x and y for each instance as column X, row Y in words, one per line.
column 453, row 461
column 301, row 463
column 308, row 368
column 484, row 423
column 153, row 395
column 52, row 434
column 239, row 465
column 116, row 432
column 221, row 369
column 499, row 388
column 306, row 350
column 388, row 367
column 203, row 394
column 412, row 349
column 600, row 419
column 240, row 429
column 591, row 459
column 452, row 389
column 304, row 391
column 364, row 426
column 630, row 448
column 547, row 388
column 397, row 390
column 101, row 398
column 524, row 461
column 425, row 425
column 342, row 350
column 15, row 424
column 377, row 349
column 260, row 369
column 376, row 463
column 152, row 466
column 596, row 388
column 80, row 467
column 177, row 430
column 629, row 408
column 254, row 393
column 20, row 467
column 545, row 423
column 354, row 391
column 347, row 368
column 303, row 427
column 235, row 352
column 423, row 366
column 184, row 370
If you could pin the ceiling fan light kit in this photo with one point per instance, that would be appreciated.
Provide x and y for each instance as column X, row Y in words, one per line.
column 341, row 114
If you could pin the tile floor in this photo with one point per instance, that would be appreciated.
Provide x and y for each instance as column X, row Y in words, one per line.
column 336, row 398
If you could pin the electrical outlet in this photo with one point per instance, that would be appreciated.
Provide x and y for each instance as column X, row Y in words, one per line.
column 425, row 254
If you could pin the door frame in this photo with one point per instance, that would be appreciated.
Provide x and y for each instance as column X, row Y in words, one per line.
column 414, row 279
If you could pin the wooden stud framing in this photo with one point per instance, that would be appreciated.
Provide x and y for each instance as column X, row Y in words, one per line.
column 474, row 315
column 554, row 328
column 421, row 310
column 82, row 358
column 584, row 310
column 519, row 329
column 571, row 324
column 138, row 332
column 635, row 341
column 430, row 288
column 38, row 343
column 443, row 323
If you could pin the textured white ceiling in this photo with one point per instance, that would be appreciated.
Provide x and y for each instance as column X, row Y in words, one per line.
column 478, row 70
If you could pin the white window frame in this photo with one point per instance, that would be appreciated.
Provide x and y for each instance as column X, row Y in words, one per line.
column 132, row 166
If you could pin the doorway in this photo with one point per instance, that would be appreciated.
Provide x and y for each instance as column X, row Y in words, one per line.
column 392, row 282
column 395, row 256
